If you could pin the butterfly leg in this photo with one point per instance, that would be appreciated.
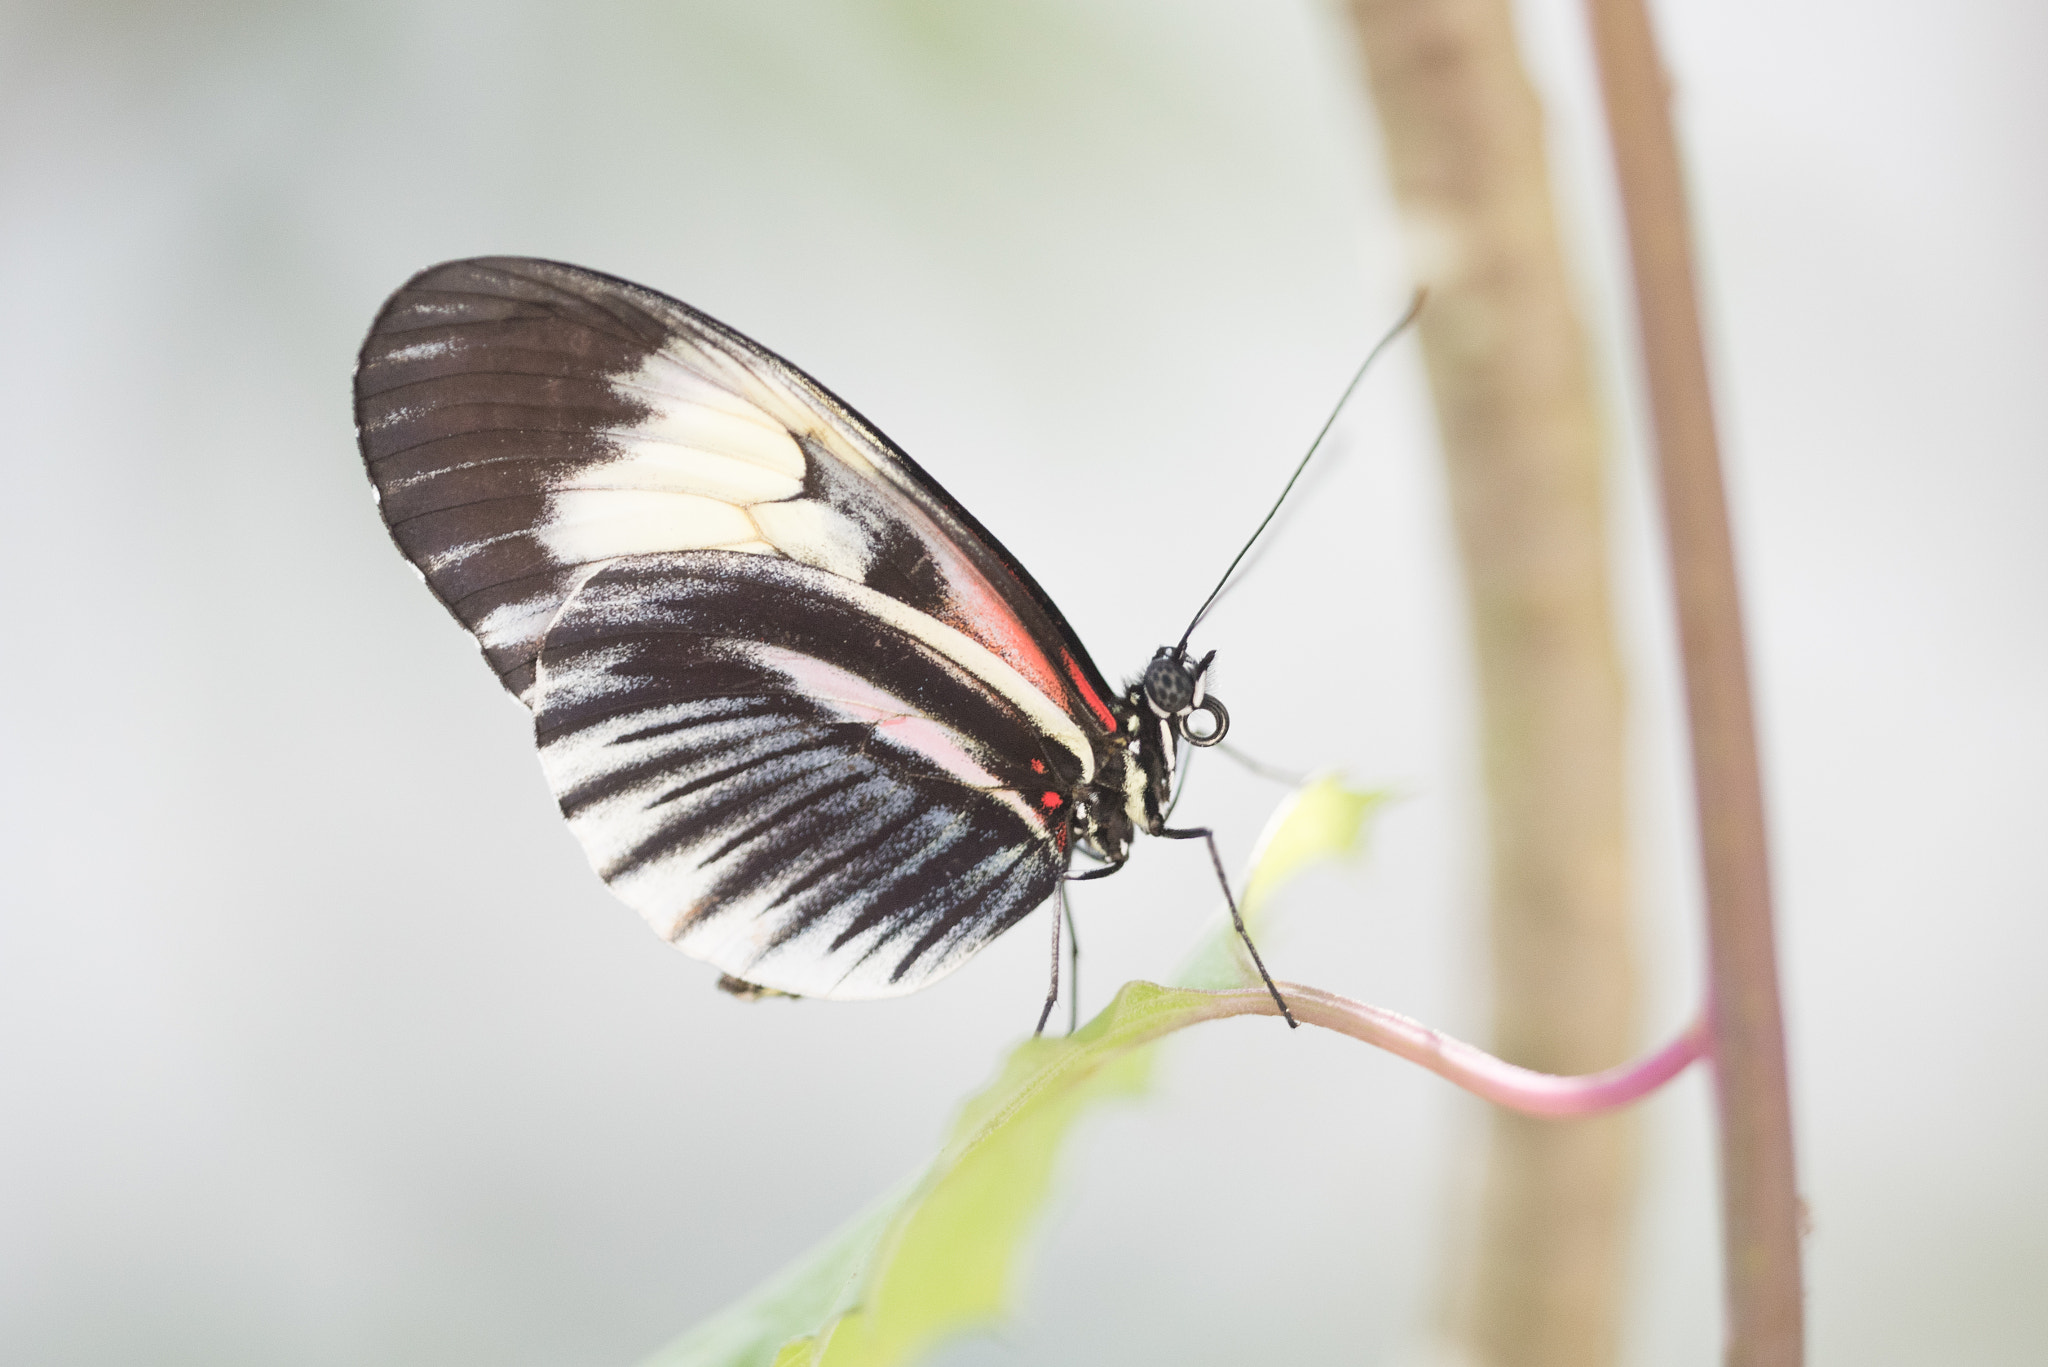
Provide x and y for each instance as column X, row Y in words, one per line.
column 1052, row 991
column 1073, row 962
column 1216, row 858
column 1066, row 913
column 1094, row 874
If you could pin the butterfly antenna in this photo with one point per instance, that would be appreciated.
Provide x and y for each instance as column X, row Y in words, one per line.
column 1414, row 308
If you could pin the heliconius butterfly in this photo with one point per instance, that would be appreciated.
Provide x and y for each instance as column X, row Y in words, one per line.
column 801, row 710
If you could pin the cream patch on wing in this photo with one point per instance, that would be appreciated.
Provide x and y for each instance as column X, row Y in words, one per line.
column 693, row 427
column 584, row 525
column 818, row 535
column 710, row 376
column 660, row 466
column 685, row 477
column 674, row 380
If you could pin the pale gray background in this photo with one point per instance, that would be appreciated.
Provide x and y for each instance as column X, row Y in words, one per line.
column 320, row 1045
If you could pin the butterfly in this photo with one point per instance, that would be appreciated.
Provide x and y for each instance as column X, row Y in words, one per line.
column 800, row 709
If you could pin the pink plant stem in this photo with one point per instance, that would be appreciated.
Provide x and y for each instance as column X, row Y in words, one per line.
column 1478, row 1072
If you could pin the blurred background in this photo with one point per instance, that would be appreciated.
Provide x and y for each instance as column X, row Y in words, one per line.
column 319, row 1043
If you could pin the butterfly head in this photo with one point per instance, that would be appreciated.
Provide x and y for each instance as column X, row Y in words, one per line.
column 1175, row 692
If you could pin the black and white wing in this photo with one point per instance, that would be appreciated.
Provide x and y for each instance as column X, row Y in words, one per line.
column 814, row 798
column 800, row 710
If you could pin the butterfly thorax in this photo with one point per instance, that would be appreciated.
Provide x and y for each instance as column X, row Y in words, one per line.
column 1136, row 769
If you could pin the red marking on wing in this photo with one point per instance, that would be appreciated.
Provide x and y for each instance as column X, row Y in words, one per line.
column 993, row 623
column 1051, row 802
column 1087, row 694
column 1038, row 766
column 979, row 609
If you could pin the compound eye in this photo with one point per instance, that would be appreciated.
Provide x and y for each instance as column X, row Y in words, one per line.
column 1169, row 686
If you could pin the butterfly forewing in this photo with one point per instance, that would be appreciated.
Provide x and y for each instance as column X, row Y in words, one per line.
column 799, row 709
column 525, row 420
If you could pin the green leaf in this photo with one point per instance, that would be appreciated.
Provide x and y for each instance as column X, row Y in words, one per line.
column 939, row 1257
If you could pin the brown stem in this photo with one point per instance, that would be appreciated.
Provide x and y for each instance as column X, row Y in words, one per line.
column 1522, row 443
column 1759, row 1192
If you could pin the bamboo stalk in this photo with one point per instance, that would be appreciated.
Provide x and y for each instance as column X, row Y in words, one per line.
column 1760, row 1203
column 1510, row 372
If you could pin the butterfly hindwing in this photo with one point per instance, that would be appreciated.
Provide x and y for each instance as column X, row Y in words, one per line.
column 816, row 801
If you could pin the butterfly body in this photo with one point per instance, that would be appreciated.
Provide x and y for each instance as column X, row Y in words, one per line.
column 799, row 708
